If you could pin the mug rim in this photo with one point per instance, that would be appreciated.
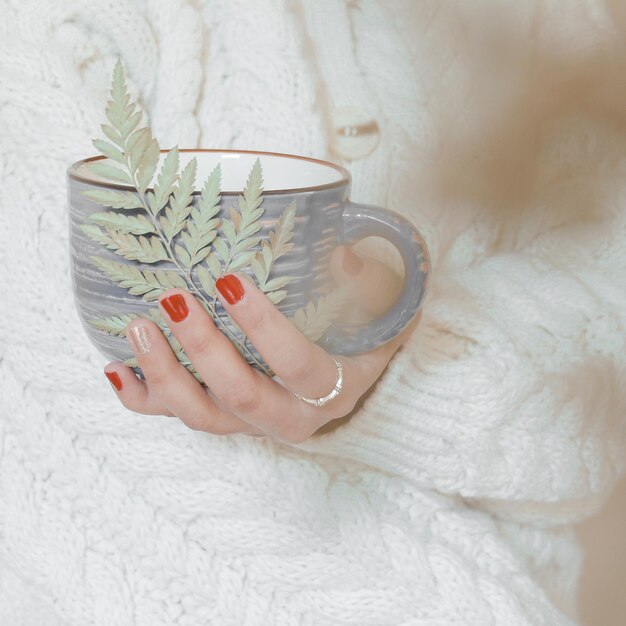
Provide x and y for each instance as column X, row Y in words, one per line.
column 345, row 174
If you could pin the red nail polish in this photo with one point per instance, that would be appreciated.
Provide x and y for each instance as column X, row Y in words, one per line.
column 352, row 263
column 230, row 287
column 114, row 379
column 176, row 307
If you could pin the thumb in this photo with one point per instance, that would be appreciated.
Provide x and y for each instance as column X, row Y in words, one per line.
column 375, row 285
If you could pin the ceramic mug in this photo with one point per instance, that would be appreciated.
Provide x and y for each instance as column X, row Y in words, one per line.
column 324, row 218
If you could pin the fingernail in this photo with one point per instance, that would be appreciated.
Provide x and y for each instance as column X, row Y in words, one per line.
column 352, row 263
column 140, row 338
column 176, row 307
column 114, row 379
column 230, row 287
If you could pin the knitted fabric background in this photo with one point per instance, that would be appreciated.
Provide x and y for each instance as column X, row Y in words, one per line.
column 447, row 498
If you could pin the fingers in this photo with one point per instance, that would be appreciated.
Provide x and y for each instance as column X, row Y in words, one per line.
column 173, row 385
column 302, row 365
column 376, row 286
column 133, row 392
column 240, row 398
column 239, row 388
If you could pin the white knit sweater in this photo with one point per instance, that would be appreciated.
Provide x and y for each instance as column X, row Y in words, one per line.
column 447, row 498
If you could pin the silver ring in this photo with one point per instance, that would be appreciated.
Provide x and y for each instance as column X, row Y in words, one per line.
column 333, row 394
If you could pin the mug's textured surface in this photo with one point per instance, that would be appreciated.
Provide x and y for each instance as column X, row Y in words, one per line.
column 324, row 218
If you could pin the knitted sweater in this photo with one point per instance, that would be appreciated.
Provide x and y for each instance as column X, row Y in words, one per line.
column 447, row 497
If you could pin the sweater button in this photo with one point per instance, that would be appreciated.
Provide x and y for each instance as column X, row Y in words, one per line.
column 355, row 133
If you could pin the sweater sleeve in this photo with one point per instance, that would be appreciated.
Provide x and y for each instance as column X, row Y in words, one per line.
column 511, row 391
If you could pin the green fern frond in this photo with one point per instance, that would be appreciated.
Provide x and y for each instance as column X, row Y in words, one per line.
column 179, row 208
column 317, row 317
column 146, row 283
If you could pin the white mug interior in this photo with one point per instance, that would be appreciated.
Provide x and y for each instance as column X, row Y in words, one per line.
column 281, row 172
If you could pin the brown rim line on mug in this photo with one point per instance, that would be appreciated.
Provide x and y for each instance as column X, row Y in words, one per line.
column 345, row 174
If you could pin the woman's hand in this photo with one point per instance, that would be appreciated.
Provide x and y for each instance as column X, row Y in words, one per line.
column 241, row 399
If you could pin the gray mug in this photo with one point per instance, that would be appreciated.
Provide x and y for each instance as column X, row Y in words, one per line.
column 324, row 218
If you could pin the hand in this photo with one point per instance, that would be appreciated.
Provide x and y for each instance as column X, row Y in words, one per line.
column 241, row 399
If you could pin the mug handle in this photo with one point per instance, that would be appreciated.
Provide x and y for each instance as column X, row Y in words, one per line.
column 367, row 220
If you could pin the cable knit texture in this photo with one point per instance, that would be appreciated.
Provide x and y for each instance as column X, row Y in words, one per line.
column 447, row 498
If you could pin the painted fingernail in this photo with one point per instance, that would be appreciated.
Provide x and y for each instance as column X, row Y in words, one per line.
column 352, row 263
column 114, row 379
column 176, row 307
column 140, row 338
column 230, row 287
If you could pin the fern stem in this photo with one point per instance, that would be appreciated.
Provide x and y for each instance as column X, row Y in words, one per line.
column 190, row 282
column 187, row 274
column 213, row 311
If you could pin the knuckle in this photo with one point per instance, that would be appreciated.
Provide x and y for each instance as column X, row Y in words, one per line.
column 162, row 375
column 205, row 420
column 198, row 343
column 244, row 399
column 197, row 419
column 300, row 369
column 208, row 424
column 196, row 423
column 201, row 416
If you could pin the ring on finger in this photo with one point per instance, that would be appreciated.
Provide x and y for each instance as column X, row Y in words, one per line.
column 336, row 390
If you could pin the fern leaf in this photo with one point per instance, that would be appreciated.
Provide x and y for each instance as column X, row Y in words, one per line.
column 95, row 233
column 156, row 316
column 266, row 254
column 109, row 150
column 150, row 285
column 114, row 199
column 221, row 248
column 277, row 296
column 118, row 109
column 283, row 232
column 278, row 246
column 201, row 255
column 277, row 283
column 109, row 172
column 258, row 269
column 206, row 280
column 165, row 183
column 130, row 224
column 113, row 135
column 214, row 265
column 183, row 255
column 251, row 229
column 246, row 244
column 136, row 146
column 241, row 261
column 147, row 165
column 180, row 204
column 201, row 227
column 115, row 325
column 235, row 218
column 144, row 249
column 251, row 198
column 132, row 123
column 315, row 319
column 244, row 224
column 228, row 228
